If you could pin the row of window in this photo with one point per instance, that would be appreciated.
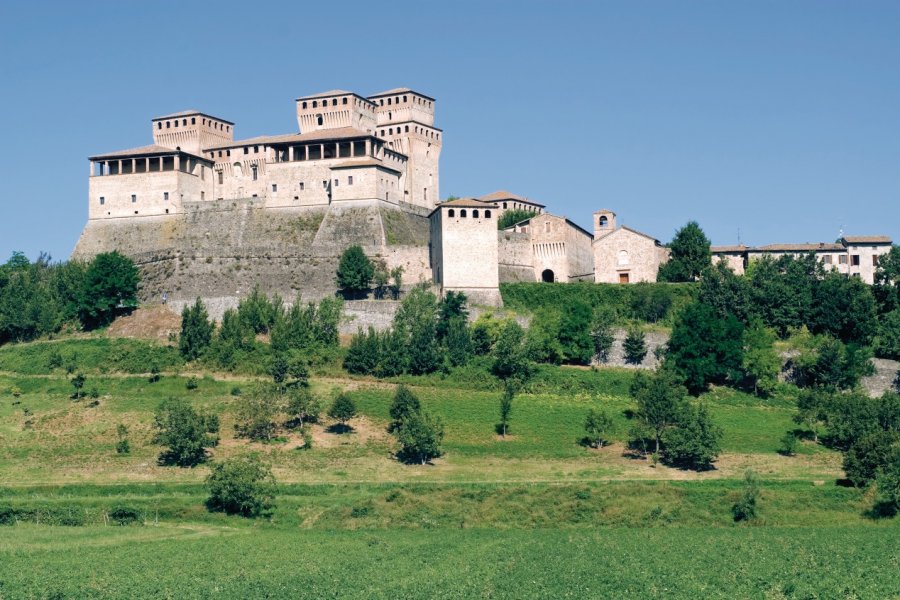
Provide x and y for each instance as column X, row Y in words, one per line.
column 854, row 260
column 184, row 122
column 301, row 185
column 426, row 132
column 396, row 100
column 334, row 102
column 462, row 213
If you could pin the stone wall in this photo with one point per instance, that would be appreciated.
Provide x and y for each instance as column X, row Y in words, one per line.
column 515, row 256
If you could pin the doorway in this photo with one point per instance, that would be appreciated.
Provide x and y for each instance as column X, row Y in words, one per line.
column 547, row 276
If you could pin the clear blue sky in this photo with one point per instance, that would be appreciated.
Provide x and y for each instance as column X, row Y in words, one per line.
column 778, row 119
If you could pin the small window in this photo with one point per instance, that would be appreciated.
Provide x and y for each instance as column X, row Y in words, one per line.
column 319, row 120
column 450, row 213
column 133, row 198
column 345, row 100
column 184, row 122
column 389, row 101
column 202, row 197
column 407, row 129
column 504, row 206
column 462, row 213
column 315, row 104
column 246, row 150
column 350, row 180
column 826, row 259
column 255, row 149
column 221, row 177
column 324, row 184
column 102, row 200
column 255, row 170
column 487, row 214
column 166, row 196
column 404, row 98
column 336, row 183
column 304, row 105
column 875, row 261
column 334, row 102
column 475, row 214
column 159, row 125
column 854, row 260
column 193, row 120
column 274, row 187
column 301, row 186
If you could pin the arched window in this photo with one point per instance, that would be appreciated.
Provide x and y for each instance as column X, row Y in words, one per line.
column 184, row 122
column 319, row 120
column 407, row 129
column 334, row 101
column 487, row 214
column 451, row 213
column 475, row 214
column 159, row 125
column 193, row 120
column 462, row 213
column 604, row 221
column 623, row 257
column 238, row 170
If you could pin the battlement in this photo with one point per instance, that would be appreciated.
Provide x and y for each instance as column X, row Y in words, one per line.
column 191, row 131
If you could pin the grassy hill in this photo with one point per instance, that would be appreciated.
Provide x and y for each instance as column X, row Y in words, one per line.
column 533, row 515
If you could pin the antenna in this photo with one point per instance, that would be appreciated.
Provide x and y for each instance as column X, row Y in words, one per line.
column 739, row 236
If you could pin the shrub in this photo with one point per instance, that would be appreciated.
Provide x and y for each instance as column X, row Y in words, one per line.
column 342, row 409
column 362, row 355
column 355, row 271
column 256, row 412
column 123, row 446
column 694, row 443
column 124, row 515
column 745, row 509
column 635, row 346
column 788, row 444
column 420, row 438
column 597, row 426
column 196, row 331
column 403, row 406
column 192, row 383
column 303, row 407
column 243, row 485
column 184, row 432
column 510, row 359
column 512, row 216
column 867, row 455
column 575, row 333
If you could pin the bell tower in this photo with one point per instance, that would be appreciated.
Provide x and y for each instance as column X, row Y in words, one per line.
column 604, row 222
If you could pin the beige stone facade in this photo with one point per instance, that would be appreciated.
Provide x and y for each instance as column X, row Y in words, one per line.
column 622, row 254
column 556, row 249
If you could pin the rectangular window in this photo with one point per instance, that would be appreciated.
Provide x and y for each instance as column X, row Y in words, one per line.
column 350, row 180
column 166, row 196
column 246, row 150
column 221, row 177
column 335, row 183
column 255, row 149
column 202, row 195
column 102, row 200
column 301, row 186
column 324, row 184
column 826, row 259
column 854, row 260
column 255, row 172
column 134, row 198
column 842, row 259
column 274, row 187
column 875, row 261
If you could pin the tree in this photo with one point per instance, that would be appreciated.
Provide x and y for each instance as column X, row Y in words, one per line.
column 380, row 281
column 303, row 407
column 355, row 272
column 635, row 346
column 257, row 410
column 362, row 355
column 509, row 391
column 602, row 334
column 660, row 401
column 828, row 364
column 695, row 442
column 403, row 406
column 78, row 385
column 811, row 411
column 597, row 425
column 452, row 307
column 420, row 438
column 575, row 333
column 542, row 342
column 706, row 348
column 342, row 409
column 761, row 363
column 416, row 322
column 242, row 485
column 396, row 282
column 690, row 255
column 868, row 455
column 745, row 508
column 888, row 481
column 510, row 359
column 123, row 446
column 459, row 343
column 109, row 288
column 393, row 357
column 257, row 313
column 887, row 344
column 844, row 307
column 512, row 216
column 184, row 432
column 725, row 292
column 196, row 331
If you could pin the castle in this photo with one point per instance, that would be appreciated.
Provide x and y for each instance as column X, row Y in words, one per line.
column 203, row 214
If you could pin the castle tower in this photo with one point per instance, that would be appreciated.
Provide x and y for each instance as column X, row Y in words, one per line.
column 335, row 109
column 604, row 222
column 191, row 131
column 464, row 250
column 405, row 120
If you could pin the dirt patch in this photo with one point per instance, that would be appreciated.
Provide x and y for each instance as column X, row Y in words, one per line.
column 148, row 322
column 364, row 432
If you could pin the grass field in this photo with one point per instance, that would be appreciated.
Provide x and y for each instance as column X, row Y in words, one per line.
column 534, row 515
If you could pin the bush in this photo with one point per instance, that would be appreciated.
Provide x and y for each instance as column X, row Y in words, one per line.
column 694, row 443
column 420, row 438
column 7, row 515
column 186, row 433
column 355, row 272
column 124, row 515
column 745, row 509
column 597, row 426
column 635, row 346
column 867, row 455
column 342, row 408
column 788, row 444
column 575, row 333
column 123, row 446
column 510, row 360
column 256, row 412
column 243, row 485
column 196, row 331
column 512, row 216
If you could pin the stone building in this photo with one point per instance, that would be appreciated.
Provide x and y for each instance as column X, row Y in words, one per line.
column 546, row 248
column 504, row 201
column 464, row 249
column 854, row 256
column 622, row 254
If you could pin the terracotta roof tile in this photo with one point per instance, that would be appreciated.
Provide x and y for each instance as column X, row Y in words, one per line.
column 867, row 239
column 821, row 246
column 151, row 150
column 504, row 195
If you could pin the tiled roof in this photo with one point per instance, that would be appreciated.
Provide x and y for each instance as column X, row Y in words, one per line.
column 728, row 249
column 151, row 150
column 339, row 133
column 466, row 203
column 188, row 113
column 630, row 230
column 504, row 195
column 821, row 246
column 364, row 162
column 867, row 239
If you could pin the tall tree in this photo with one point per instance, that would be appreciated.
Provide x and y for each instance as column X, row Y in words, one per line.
column 690, row 255
column 761, row 362
column 196, row 331
column 575, row 333
column 355, row 272
column 510, row 359
column 661, row 401
column 635, row 346
column 184, row 432
column 110, row 288
column 706, row 348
